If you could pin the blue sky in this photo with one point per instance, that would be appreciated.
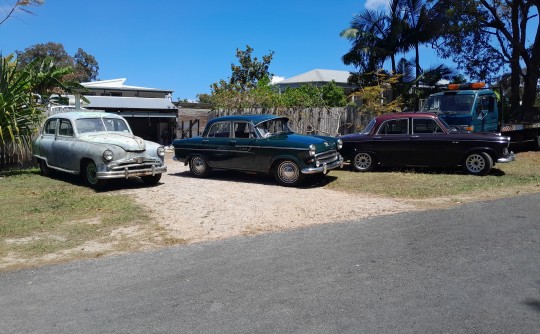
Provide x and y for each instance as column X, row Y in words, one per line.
column 185, row 46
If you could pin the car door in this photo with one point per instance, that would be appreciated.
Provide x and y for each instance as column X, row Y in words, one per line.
column 430, row 144
column 62, row 146
column 243, row 147
column 216, row 145
column 45, row 140
column 391, row 143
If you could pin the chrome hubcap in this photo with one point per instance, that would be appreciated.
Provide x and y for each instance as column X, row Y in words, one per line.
column 198, row 165
column 475, row 163
column 362, row 161
column 288, row 172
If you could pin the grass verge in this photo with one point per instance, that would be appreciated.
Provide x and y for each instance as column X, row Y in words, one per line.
column 522, row 175
column 52, row 219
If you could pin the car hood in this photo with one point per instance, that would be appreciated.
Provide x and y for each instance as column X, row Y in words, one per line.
column 322, row 144
column 126, row 141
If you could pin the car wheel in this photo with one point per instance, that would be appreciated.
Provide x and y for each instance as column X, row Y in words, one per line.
column 478, row 163
column 44, row 169
column 364, row 162
column 287, row 173
column 199, row 167
column 151, row 180
column 90, row 176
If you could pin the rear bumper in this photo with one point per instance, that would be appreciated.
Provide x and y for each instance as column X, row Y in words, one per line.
column 325, row 167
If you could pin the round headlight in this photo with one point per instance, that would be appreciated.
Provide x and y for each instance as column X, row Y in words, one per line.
column 108, row 155
column 339, row 144
column 312, row 150
column 161, row 151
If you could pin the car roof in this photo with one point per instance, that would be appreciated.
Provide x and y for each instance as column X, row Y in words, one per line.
column 73, row 115
column 256, row 119
column 394, row 115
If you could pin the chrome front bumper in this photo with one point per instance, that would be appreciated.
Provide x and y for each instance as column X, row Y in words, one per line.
column 509, row 158
column 324, row 168
column 127, row 173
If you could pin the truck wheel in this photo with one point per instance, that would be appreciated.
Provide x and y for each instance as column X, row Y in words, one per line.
column 364, row 162
column 288, row 174
column 478, row 163
column 89, row 173
column 151, row 180
column 199, row 167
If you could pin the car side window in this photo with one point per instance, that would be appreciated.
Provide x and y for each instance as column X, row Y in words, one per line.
column 220, row 129
column 426, row 126
column 65, row 128
column 243, row 130
column 394, row 127
column 50, row 127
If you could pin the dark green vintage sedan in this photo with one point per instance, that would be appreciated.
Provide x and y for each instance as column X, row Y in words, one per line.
column 258, row 143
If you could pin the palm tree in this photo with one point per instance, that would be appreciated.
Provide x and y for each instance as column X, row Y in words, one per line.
column 375, row 37
column 420, row 27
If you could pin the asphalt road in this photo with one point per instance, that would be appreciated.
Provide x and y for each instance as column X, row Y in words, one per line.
column 470, row 269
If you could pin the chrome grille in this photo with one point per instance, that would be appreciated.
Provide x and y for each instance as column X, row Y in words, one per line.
column 134, row 163
column 327, row 157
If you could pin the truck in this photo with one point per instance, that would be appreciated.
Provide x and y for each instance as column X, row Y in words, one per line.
column 475, row 108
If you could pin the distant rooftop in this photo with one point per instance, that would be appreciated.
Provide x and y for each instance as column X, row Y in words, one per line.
column 318, row 75
column 118, row 84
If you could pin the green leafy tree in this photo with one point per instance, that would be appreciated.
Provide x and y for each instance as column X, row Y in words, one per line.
column 485, row 36
column 234, row 93
column 374, row 98
column 85, row 66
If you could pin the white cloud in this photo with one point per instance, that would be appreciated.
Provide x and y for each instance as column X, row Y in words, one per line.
column 276, row 79
column 376, row 4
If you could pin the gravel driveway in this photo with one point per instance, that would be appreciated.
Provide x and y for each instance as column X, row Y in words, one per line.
column 232, row 204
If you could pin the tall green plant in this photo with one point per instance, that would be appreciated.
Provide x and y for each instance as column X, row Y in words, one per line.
column 19, row 115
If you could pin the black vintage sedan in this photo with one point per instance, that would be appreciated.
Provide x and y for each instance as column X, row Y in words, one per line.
column 258, row 143
column 423, row 139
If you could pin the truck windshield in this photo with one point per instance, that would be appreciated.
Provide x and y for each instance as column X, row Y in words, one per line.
column 450, row 103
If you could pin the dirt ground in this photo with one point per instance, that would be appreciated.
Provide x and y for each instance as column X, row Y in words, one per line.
column 233, row 204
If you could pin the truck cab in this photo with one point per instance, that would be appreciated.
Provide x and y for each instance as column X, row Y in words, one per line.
column 469, row 107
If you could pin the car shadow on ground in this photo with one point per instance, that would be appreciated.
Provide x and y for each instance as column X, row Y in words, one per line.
column 311, row 181
column 424, row 170
column 112, row 184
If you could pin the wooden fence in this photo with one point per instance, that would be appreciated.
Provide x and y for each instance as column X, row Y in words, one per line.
column 323, row 121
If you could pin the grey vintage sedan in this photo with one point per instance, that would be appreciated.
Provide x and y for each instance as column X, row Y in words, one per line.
column 98, row 146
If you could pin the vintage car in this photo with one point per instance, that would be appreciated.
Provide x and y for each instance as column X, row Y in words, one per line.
column 423, row 139
column 258, row 143
column 98, row 146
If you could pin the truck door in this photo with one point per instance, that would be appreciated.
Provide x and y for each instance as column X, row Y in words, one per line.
column 486, row 117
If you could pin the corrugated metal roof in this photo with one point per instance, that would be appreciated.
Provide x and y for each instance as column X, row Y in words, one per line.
column 318, row 75
column 118, row 84
column 117, row 102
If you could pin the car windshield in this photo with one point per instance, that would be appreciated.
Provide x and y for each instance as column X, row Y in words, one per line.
column 368, row 128
column 273, row 127
column 449, row 103
column 85, row 125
